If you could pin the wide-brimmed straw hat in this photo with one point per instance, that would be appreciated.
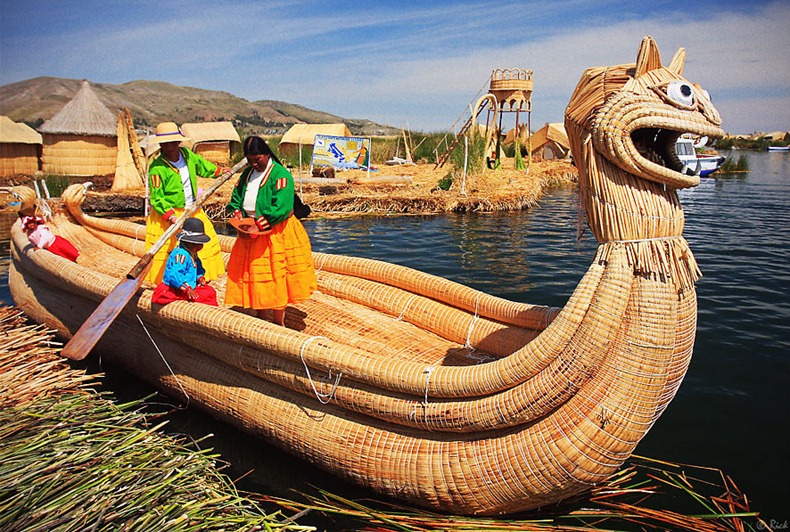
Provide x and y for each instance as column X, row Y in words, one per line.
column 193, row 232
column 169, row 132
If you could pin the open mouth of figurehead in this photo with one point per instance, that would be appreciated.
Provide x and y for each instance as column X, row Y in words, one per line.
column 657, row 145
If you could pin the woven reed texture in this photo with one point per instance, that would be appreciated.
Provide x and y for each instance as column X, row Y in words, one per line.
column 78, row 155
column 414, row 386
column 18, row 159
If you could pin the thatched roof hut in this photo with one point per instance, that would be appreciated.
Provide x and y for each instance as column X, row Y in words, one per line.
column 20, row 146
column 550, row 142
column 81, row 138
column 304, row 134
column 216, row 141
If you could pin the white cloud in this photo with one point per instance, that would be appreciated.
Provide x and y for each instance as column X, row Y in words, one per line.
column 421, row 65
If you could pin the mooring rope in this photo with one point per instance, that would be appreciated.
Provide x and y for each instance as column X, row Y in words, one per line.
column 323, row 398
column 164, row 360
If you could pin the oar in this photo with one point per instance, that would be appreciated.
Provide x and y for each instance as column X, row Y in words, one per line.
column 93, row 328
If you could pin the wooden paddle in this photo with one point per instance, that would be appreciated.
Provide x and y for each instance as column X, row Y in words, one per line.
column 100, row 320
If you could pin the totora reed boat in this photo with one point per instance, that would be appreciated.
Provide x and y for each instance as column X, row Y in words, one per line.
column 418, row 387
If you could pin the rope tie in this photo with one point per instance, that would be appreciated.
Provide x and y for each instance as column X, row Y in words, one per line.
column 468, row 344
column 639, row 240
column 405, row 308
column 321, row 266
column 323, row 398
column 427, row 371
column 164, row 360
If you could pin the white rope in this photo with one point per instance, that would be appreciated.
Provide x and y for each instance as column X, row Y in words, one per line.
column 321, row 266
column 405, row 308
column 428, row 370
column 468, row 343
column 164, row 360
column 637, row 241
column 323, row 398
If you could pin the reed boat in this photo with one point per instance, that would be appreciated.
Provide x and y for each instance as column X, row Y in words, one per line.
column 420, row 388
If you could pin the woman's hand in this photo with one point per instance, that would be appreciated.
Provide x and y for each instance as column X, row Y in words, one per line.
column 263, row 224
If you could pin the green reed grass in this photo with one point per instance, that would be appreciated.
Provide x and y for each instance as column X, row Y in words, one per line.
column 732, row 166
column 71, row 459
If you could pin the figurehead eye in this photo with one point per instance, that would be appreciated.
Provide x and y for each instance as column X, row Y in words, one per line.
column 681, row 93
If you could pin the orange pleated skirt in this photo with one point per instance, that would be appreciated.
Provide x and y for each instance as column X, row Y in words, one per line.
column 271, row 271
column 210, row 256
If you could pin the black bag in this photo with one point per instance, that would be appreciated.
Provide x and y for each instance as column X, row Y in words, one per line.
column 300, row 209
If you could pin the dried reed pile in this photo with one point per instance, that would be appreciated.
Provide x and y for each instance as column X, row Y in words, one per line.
column 73, row 460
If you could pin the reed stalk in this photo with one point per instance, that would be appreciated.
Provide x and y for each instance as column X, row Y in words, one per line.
column 71, row 459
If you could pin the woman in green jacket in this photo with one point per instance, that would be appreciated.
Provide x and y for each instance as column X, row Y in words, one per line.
column 269, row 270
column 172, row 185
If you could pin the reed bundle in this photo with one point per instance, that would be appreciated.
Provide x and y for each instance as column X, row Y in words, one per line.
column 73, row 460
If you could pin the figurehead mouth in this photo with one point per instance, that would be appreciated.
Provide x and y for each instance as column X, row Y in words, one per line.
column 651, row 143
column 658, row 146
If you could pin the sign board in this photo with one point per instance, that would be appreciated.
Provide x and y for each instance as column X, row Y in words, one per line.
column 341, row 152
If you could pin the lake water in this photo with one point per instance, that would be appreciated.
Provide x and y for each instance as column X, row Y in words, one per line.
column 731, row 412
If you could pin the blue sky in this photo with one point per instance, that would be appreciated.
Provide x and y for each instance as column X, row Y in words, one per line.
column 404, row 63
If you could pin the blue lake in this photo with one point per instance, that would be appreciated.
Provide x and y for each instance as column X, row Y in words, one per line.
column 732, row 410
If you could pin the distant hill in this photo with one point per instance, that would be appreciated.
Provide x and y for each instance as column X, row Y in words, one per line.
column 36, row 100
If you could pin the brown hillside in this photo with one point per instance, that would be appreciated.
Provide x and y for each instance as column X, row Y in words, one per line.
column 35, row 100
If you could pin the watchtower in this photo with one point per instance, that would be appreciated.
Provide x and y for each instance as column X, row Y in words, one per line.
column 509, row 91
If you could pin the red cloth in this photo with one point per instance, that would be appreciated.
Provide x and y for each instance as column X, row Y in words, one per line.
column 164, row 294
column 64, row 248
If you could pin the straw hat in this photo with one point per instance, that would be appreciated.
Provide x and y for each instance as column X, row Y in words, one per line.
column 193, row 232
column 169, row 132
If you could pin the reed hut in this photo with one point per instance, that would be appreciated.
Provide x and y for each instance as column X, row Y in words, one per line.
column 304, row 134
column 216, row 141
column 20, row 146
column 80, row 140
column 550, row 142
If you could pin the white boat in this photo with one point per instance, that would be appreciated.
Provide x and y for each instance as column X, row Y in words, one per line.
column 702, row 164
column 778, row 148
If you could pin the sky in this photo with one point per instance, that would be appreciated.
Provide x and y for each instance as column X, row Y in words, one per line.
column 409, row 64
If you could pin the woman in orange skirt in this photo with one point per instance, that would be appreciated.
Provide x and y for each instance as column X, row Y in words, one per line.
column 273, row 268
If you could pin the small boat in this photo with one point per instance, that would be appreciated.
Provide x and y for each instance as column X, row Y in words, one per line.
column 417, row 387
column 694, row 163
column 778, row 148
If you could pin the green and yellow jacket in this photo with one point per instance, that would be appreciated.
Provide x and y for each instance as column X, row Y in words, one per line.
column 164, row 181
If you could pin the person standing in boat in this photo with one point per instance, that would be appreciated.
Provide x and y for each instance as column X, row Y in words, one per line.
column 172, row 185
column 270, row 270
column 184, row 277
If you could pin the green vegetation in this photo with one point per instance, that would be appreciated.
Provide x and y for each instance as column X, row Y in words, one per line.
column 71, row 459
column 56, row 184
column 740, row 165
column 760, row 144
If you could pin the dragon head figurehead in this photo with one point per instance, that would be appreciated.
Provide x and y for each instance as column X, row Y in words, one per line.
column 622, row 123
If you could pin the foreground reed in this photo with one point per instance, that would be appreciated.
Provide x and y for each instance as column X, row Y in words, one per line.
column 638, row 497
column 72, row 460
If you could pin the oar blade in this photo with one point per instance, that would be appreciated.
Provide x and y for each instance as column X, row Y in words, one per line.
column 97, row 323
